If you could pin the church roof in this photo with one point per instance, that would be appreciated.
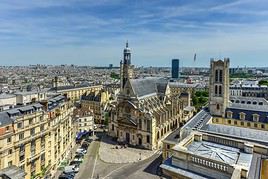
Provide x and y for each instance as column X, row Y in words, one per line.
column 148, row 86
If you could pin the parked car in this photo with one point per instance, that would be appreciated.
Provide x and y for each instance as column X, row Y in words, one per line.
column 78, row 159
column 84, row 145
column 70, row 170
column 81, row 151
column 66, row 176
column 75, row 163
column 79, row 156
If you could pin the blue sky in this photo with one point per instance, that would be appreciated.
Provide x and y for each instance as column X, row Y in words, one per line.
column 93, row 32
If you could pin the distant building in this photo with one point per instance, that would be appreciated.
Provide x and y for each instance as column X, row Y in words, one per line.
column 175, row 68
column 110, row 66
column 95, row 102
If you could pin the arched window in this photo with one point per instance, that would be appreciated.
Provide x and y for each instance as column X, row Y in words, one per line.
column 216, row 90
column 216, row 76
column 220, row 76
column 218, row 107
column 220, row 90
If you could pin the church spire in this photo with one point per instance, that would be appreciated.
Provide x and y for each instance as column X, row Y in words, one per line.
column 127, row 44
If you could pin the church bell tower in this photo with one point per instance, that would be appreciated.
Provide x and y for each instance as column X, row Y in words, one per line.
column 219, row 86
column 126, row 69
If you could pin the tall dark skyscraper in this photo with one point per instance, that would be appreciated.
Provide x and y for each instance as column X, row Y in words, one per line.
column 175, row 68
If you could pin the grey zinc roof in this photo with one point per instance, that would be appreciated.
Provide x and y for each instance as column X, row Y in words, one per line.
column 5, row 119
column 259, row 136
column 13, row 111
column 37, row 105
column 143, row 87
column 26, row 108
column 148, row 86
column 13, row 172
column 161, row 87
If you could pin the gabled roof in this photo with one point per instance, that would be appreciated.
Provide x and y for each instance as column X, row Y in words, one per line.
column 148, row 86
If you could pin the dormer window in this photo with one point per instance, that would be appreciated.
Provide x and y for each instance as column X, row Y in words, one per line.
column 256, row 117
column 229, row 114
column 242, row 116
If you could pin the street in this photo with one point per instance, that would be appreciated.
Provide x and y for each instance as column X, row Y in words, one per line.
column 93, row 167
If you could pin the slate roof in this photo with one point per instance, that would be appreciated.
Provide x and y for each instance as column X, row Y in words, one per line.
column 5, row 119
column 255, row 135
column 148, row 86
column 263, row 115
column 59, row 88
column 12, row 172
column 91, row 97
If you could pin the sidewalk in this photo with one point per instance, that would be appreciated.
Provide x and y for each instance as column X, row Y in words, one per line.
column 109, row 154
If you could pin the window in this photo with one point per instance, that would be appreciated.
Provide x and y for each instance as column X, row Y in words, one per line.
column 42, row 127
column 230, row 114
column 242, row 123
column 9, row 163
column 216, row 90
column 168, row 146
column 229, row 121
column 256, row 117
column 248, row 124
column 7, row 128
column 235, row 122
column 30, row 121
column 19, row 125
column 32, row 131
column 255, row 125
column 220, row 80
column 218, row 107
column 9, row 151
column 148, row 125
column 220, row 90
column 22, row 158
column 22, row 148
column 148, row 139
column 112, row 127
column 242, row 116
column 262, row 126
column 140, row 123
column 21, row 136
column 216, row 76
column 9, row 140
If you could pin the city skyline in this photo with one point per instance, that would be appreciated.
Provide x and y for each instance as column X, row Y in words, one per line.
column 92, row 33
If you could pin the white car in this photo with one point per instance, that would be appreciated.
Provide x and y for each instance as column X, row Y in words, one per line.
column 71, row 169
column 81, row 151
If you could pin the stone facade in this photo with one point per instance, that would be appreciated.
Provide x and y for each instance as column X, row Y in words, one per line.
column 219, row 87
column 37, row 137
column 145, row 112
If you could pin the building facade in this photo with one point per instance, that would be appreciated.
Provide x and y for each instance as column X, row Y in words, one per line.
column 37, row 137
column 74, row 93
column 145, row 111
column 219, row 87
column 96, row 102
